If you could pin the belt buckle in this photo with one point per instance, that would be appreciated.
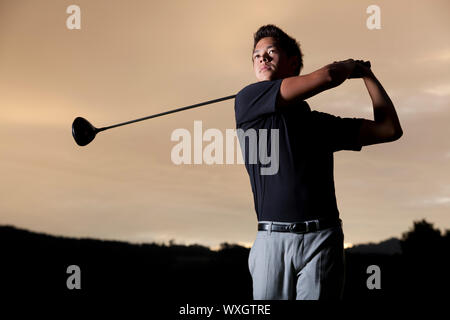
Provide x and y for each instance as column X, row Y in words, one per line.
column 307, row 227
column 312, row 222
column 292, row 227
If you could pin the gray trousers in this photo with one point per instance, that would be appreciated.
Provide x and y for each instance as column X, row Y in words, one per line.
column 288, row 266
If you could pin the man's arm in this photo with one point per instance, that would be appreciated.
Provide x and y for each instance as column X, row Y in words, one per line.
column 386, row 125
column 306, row 86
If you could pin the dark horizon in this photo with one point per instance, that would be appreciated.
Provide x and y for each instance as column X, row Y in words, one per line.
column 173, row 242
column 37, row 263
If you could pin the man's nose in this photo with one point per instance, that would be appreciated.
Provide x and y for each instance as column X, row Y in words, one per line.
column 265, row 57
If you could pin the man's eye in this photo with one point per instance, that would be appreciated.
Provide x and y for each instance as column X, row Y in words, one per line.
column 271, row 51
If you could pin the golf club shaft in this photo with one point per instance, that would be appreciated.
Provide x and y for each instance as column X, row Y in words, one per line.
column 167, row 112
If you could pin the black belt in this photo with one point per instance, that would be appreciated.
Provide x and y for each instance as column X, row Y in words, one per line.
column 300, row 227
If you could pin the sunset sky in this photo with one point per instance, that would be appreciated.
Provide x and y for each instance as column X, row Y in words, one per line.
column 134, row 58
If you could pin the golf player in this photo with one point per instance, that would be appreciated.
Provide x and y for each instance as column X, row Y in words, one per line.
column 298, row 252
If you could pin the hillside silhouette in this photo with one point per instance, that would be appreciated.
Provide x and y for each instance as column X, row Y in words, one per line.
column 389, row 246
column 36, row 263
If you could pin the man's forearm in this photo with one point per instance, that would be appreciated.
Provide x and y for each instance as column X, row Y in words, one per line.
column 383, row 108
column 303, row 87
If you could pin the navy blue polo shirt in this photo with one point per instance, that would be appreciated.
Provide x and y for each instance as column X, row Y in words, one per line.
column 303, row 187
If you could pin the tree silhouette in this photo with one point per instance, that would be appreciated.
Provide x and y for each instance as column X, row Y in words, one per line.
column 425, row 261
column 423, row 239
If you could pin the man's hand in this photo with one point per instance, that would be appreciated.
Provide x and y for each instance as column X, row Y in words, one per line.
column 339, row 71
column 362, row 69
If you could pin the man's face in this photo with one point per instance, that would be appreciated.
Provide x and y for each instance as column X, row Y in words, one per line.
column 270, row 62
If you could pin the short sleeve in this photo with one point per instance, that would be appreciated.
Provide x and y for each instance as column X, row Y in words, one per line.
column 337, row 133
column 256, row 100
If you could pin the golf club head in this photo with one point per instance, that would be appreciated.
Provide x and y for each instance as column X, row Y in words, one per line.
column 83, row 131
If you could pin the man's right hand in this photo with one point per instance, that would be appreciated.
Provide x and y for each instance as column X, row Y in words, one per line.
column 339, row 71
column 361, row 70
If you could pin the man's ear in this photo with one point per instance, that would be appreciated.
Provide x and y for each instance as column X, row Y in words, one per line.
column 293, row 63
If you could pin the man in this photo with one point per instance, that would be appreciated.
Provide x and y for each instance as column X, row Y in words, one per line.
column 298, row 251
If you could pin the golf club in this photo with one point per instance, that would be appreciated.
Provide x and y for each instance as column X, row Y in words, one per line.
column 84, row 132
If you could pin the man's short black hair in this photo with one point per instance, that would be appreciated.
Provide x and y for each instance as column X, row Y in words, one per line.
column 289, row 45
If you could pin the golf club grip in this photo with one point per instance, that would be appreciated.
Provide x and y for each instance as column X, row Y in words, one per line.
column 168, row 112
